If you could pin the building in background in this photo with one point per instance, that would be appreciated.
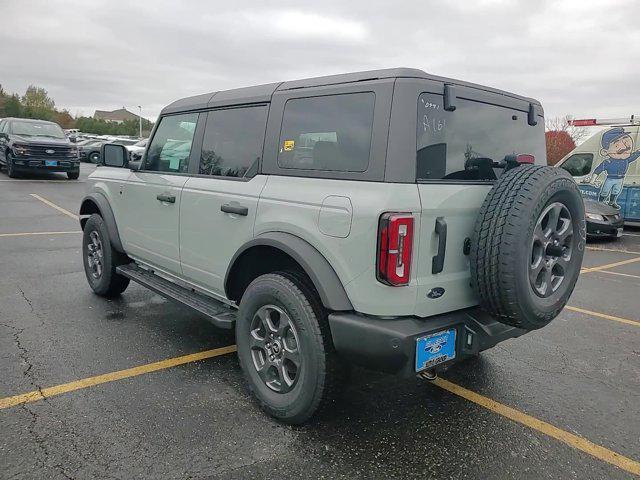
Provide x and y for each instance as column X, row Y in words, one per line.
column 115, row 116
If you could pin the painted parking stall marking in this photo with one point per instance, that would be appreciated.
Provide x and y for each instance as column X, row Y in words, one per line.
column 635, row 323
column 43, row 393
column 610, row 265
column 27, row 234
column 57, row 207
column 574, row 441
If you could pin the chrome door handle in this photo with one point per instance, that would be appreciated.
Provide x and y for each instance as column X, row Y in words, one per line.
column 165, row 197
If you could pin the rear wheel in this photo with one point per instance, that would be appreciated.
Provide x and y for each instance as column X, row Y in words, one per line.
column 73, row 175
column 101, row 259
column 285, row 348
column 528, row 245
column 94, row 157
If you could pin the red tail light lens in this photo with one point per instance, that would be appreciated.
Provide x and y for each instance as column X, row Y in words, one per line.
column 525, row 158
column 395, row 246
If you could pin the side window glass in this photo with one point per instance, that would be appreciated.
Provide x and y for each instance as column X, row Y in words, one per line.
column 327, row 133
column 233, row 141
column 578, row 164
column 171, row 144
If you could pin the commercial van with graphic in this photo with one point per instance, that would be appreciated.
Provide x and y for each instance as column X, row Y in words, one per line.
column 606, row 166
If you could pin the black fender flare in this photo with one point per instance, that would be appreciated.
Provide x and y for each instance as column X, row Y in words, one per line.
column 324, row 278
column 106, row 213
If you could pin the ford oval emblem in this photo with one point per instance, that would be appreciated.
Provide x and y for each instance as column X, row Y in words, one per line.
column 50, row 152
column 436, row 292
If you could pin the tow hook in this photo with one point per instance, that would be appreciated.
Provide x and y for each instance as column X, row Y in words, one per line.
column 428, row 375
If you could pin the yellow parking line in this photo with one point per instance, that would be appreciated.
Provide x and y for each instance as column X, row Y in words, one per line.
column 57, row 207
column 30, row 180
column 635, row 323
column 602, row 249
column 610, row 265
column 111, row 377
column 25, row 234
column 619, row 273
column 570, row 439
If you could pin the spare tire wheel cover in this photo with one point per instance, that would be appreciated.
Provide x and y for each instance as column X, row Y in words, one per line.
column 527, row 246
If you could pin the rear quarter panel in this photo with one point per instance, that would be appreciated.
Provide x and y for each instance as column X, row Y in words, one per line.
column 293, row 205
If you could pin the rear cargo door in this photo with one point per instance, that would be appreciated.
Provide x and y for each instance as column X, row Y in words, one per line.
column 454, row 174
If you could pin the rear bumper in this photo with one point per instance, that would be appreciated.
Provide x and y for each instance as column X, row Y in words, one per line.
column 389, row 344
column 37, row 164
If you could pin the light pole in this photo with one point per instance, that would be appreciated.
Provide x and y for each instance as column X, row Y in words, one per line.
column 140, row 119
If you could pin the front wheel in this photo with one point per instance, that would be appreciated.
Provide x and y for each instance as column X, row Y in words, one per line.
column 94, row 157
column 101, row 259
column 11, row 169
column 285, row 348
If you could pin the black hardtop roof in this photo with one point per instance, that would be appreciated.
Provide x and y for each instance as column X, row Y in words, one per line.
column 263, row 93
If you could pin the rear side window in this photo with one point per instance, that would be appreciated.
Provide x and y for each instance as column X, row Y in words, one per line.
column 331, row 133
column 233, row 141
column 171, row 145
column 460, row 145
column 578, row 164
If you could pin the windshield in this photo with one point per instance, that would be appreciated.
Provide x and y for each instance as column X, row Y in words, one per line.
column 37, row 129
column 461, row 145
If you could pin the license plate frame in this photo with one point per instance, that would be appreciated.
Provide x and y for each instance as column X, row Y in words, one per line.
column 50, row 163
column 435, row 348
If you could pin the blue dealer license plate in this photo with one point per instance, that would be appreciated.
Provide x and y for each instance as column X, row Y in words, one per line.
column 51, row 163
column 436, row 348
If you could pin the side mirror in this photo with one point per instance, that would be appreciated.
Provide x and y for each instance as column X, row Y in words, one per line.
column 114, row 155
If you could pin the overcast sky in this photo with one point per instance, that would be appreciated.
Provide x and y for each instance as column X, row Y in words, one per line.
column 579, row 57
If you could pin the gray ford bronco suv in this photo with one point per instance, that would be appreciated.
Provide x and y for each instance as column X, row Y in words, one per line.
column 390, row 219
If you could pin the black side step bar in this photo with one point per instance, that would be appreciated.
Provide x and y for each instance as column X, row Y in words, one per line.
column 218, row 313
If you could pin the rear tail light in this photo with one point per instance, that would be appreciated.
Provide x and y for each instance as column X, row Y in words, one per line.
column 395, row 246
column 525, row 158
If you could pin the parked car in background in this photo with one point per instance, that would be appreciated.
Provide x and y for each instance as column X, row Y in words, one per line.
column 137, row 149
column 602, row 220
column 28, row 145
column 90, row 150
column 607, row 165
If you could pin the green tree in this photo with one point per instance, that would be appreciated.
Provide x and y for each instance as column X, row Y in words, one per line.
column 12, row 106
column 37, row 103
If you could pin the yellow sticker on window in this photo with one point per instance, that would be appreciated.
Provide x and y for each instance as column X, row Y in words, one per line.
column 288, row 145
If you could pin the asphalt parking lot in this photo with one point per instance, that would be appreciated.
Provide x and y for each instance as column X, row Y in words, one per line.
column 83, row 395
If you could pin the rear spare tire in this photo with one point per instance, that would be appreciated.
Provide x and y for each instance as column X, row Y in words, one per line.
column 527, row 246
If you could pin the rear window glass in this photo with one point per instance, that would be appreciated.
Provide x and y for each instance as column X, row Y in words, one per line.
column 331, row 133
column 460, row 145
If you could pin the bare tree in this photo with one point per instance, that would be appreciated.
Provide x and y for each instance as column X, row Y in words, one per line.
column 561, row 124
